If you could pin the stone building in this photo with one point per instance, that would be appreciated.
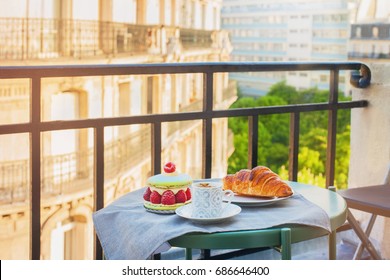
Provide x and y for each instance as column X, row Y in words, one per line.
column 47, row 32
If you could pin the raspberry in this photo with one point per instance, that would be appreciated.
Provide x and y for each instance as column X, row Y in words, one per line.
column 181, row 197
column 169, row 167
column 155, row 197
column 188, row 194
column 168, row 198
column 147, row 194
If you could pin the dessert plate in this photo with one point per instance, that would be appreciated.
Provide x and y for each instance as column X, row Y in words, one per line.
column 253, row 201
column 230, row 211
column 160, row 211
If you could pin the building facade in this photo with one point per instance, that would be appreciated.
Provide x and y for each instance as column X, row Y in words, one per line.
column 47, row 32
column 370, row 41
column 370, row 32
column 286, row 30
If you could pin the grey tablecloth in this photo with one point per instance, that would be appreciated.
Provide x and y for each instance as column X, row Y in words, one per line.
column 127, row 231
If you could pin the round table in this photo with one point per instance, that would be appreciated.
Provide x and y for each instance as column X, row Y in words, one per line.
column 331, row 202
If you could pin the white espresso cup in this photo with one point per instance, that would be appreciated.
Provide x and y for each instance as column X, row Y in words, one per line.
column 207, row 200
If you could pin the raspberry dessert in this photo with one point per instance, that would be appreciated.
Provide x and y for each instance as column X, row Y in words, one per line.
column 167, row 191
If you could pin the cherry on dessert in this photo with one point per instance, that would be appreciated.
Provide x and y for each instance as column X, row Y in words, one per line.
column 169, row 167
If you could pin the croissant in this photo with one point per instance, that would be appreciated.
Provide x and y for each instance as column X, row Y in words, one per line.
column 259, row 181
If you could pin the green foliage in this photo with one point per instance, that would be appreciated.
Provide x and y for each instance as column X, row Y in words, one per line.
column 310, row 160
column 273, row 147
column 238, row 160
column 284, row 92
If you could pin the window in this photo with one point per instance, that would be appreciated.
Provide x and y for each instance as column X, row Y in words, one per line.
column 358, row 32
column 375, row 32
column 323, row 78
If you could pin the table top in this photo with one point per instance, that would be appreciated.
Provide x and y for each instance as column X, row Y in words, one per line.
column 331, row 202
column 127, row 231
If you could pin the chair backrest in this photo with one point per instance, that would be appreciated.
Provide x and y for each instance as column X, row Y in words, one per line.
column 387, row 176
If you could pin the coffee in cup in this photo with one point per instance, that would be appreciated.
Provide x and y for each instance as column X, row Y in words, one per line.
column 207, row 200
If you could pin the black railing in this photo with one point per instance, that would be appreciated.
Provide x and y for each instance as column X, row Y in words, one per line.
column 64, row 173
column 207, row 113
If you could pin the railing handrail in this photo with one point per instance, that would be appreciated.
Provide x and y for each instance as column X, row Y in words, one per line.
column 48, row 71
column 206, row 114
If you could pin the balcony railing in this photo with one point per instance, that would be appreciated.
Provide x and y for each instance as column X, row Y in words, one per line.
column 29, row 39
column 372, row 55
column 62, row 174
column 206, row 114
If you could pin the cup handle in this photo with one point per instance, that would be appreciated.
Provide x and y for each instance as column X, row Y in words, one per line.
column 228, row 194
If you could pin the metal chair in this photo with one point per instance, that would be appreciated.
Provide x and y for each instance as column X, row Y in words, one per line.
column 278, row 237
column 370, row 199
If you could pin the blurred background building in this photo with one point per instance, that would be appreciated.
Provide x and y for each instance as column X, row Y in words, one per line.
column 47, row 32
column 286, row 30
column 370, row 32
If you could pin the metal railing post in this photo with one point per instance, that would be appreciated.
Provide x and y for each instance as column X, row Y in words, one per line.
column 293, row 146
column 253, row 141
column 332, row 127
column 98, row 182
column 156, row 147
column 208, row 82
column 35, row 169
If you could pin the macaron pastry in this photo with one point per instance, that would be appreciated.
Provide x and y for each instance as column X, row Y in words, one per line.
column 167, row 191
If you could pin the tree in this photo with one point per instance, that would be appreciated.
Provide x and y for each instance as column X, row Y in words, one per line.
column 272, row 147
column 274, row 135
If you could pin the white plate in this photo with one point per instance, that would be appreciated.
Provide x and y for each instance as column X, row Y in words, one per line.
column 160, row 211
column 255, row 201
column 230, row 211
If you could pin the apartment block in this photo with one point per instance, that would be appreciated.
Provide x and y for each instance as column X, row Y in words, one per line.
column 286, row 30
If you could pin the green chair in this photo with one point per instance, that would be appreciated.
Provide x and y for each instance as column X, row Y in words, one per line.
column 277, row 237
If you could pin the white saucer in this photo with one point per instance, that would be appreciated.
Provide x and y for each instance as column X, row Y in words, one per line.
column 248, row 201
column 230, row 211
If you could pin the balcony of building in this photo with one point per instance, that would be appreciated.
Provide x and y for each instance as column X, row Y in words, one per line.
column 30, row 185
column 369, row 55
column 31, row 39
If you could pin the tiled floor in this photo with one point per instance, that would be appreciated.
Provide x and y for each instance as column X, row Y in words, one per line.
column 316, row 249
